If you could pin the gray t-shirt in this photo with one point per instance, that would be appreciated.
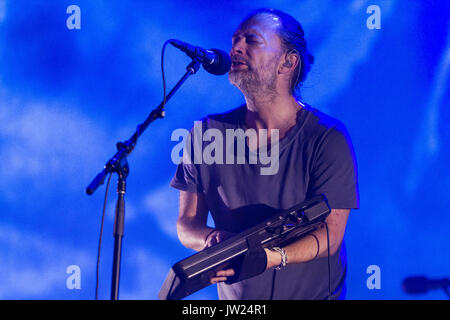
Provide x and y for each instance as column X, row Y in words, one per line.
column 315, row 157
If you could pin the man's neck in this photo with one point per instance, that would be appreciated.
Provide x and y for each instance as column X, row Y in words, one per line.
column 274, row 112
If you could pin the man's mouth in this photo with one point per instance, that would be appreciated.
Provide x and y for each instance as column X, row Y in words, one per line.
column 237, row 64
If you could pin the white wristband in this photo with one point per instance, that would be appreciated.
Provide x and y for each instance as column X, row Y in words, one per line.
column 282, row 252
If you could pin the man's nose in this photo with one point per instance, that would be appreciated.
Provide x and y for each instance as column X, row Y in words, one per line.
column 237, row 48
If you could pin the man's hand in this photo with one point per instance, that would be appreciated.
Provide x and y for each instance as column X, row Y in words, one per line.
column 214, row 238
column 272, row 259
column 222, row 275
column 217, row 236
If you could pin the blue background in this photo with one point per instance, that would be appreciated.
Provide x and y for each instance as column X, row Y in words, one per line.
column 67, row 96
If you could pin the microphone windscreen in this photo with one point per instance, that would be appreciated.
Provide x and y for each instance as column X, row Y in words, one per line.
column 221, row 66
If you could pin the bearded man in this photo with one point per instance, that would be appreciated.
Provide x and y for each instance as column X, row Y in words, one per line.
column 270, row 61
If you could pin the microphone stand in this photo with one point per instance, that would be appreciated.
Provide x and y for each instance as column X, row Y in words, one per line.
column 118, row 164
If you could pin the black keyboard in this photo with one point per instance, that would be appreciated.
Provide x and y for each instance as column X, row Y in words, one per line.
column 193, row 273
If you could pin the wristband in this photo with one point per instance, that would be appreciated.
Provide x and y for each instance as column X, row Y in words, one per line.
column 282, row 252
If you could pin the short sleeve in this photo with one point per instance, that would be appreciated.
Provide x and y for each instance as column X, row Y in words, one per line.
column 186, row 178
column 187, row 175
column 334, row 170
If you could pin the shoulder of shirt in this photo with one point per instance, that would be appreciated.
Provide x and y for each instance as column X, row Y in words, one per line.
column 321, row 124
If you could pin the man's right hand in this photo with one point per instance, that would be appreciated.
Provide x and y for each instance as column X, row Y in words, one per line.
column 191, row 228
column 217, row 236
column 212, row 239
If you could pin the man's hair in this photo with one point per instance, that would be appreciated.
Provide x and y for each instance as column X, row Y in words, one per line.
column 293, row 39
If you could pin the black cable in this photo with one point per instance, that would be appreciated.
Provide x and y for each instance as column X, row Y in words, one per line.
column 100, row 237
column 138, row 129
column 329, row 267
column 272, row 291
column 163, row 74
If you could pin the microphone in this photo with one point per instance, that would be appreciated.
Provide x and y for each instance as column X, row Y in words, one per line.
column 421, row 284
column 214, row 61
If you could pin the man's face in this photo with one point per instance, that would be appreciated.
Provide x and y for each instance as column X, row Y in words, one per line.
column 255, row 54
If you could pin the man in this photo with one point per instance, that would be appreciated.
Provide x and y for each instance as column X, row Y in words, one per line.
column 269, row 62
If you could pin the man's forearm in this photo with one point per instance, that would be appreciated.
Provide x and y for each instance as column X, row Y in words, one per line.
column 308, row 248
column 191, row 234
column 314, row 245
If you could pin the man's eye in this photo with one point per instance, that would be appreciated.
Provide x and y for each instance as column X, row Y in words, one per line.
column 252, row 39
column 249, row 40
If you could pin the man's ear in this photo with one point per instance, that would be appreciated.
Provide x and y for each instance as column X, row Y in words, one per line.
column 291, row 61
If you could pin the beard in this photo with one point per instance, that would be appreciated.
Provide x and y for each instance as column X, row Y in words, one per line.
column 252, row 81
